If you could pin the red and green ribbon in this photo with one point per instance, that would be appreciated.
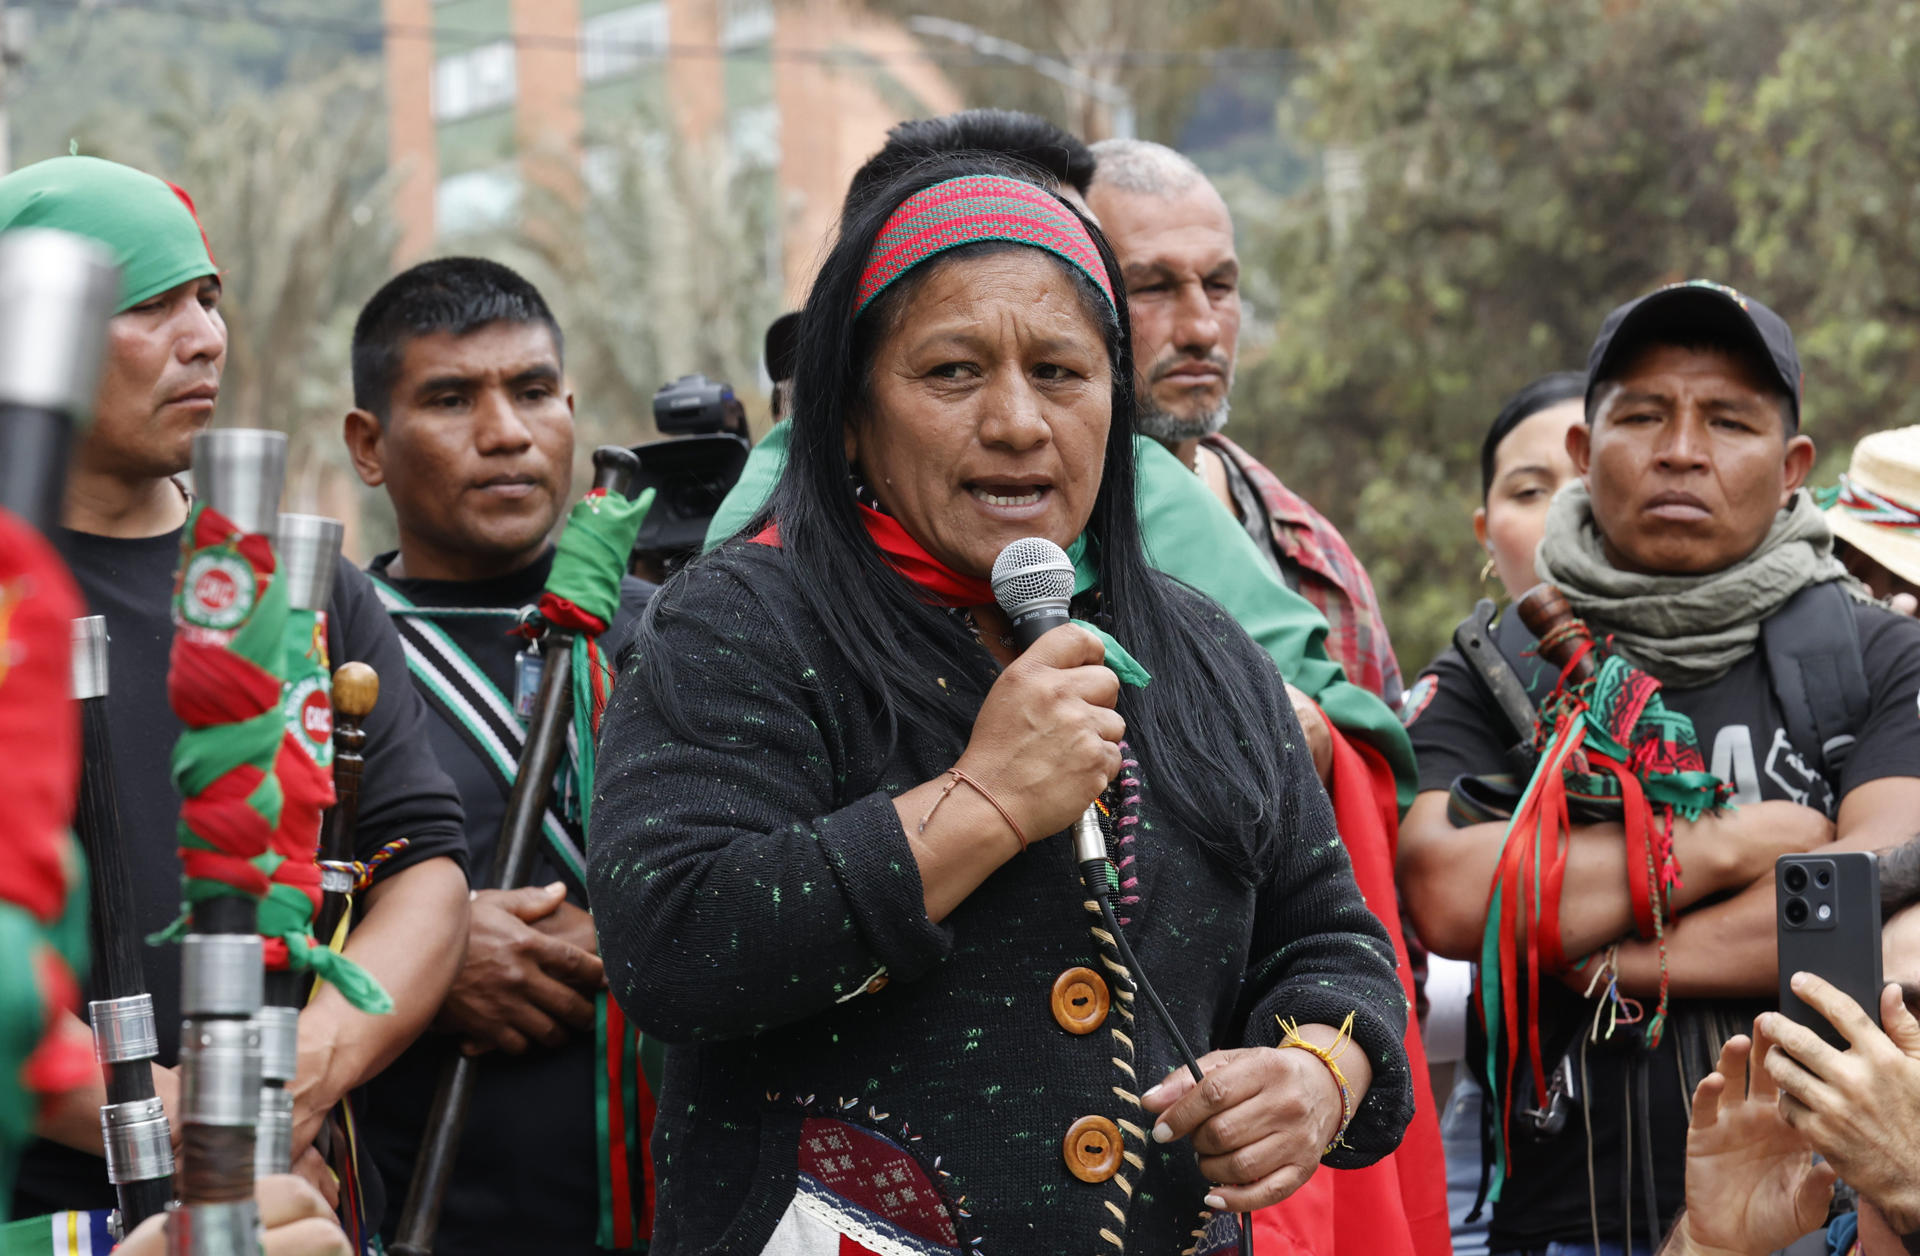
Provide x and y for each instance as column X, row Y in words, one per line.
column 304, row 768
column 43, row 890
column 1610, row 740
column 582, row 597
column 224, row 681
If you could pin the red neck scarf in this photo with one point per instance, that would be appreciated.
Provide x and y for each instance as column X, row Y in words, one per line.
column 939, row 584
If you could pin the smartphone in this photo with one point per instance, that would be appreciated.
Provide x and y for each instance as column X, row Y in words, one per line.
column 1829, row 924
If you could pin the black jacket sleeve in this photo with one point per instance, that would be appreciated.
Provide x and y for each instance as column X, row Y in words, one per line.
column 1318, row 952
column 403, row 791
column 733, row 887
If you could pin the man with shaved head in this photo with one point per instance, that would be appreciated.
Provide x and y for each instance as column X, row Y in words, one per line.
column 1174, row 238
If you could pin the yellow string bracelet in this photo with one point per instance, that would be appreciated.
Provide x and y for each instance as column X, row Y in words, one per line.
column 1331, row 1058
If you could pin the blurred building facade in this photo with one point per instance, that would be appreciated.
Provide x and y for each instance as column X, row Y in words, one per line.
column 490, row 97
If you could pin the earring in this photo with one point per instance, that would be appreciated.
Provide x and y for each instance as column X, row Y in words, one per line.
column 1486, row 572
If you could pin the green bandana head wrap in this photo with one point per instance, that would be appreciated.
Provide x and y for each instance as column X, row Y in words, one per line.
column 148, row 223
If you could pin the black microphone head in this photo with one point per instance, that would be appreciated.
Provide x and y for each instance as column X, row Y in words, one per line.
column 1033, row 582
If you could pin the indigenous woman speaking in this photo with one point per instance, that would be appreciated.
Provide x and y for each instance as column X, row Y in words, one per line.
column 827, row 860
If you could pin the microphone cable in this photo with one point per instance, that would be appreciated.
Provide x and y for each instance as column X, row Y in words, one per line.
column 1102, row 881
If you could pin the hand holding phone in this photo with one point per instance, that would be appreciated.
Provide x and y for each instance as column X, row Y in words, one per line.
column 1828, row 924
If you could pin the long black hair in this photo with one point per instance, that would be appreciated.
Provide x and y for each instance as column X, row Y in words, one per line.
column 1211, row 762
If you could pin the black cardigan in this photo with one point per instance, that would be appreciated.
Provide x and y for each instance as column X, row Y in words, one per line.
column 747, row 893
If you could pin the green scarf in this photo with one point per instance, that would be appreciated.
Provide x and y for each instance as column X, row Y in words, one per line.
column 1085, row 575
column 147, row 223
column 1685, row 631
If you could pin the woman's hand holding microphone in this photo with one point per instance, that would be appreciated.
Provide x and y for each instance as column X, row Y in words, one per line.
column 1046, row 742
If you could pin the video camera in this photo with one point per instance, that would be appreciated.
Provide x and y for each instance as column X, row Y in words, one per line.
column 690, row 471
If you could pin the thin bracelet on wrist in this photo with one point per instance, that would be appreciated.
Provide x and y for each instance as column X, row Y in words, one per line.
column 1331, row 1058
column 956, row 777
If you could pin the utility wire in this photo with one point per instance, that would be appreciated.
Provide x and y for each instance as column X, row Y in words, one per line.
column 213, row 11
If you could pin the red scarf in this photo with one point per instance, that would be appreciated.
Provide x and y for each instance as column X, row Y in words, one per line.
column 939, row 584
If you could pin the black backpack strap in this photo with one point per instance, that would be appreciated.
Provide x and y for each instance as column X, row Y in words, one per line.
column 1814, row 660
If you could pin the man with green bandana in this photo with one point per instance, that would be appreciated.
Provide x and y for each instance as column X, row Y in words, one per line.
column 123, row 513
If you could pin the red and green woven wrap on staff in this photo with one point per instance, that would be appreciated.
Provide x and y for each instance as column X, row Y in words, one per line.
column 304, row 767
column 1611, row 741
column 582, row 597
column 224, row 681
column 43, row 889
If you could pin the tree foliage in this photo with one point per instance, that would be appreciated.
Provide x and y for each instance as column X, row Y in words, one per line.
column 668, row 264
column 1502, row 173
column 292, row 188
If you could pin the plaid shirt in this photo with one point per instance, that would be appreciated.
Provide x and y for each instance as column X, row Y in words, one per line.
column 1329, row 576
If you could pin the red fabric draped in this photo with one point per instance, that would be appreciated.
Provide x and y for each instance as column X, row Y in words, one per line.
column 942, row 585
column 1397, row 1207
column 39, row 723
column 40, row 745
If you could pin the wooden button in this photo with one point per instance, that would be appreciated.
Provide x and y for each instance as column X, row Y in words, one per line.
column 1080, row 1000
column 1092, row 1149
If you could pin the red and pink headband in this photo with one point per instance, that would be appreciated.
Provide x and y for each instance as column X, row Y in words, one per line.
column 972, row 208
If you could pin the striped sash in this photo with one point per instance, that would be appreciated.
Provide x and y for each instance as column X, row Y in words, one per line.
column 466, row 697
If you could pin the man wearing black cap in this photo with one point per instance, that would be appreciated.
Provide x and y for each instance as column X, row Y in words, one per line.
column 1689, row 544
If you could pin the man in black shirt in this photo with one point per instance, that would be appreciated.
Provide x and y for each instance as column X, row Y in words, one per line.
column 1686, row 535
column 123, row 516
column 463, row 416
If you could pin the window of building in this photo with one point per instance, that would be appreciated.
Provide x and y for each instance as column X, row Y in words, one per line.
column 754, row 133
column 476, row 200
column 746, row 23
column 473, row 81
column 622, row 40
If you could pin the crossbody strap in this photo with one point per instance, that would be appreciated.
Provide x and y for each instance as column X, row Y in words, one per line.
column 466, row 697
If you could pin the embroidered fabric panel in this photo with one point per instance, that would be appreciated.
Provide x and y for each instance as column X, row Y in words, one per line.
column 863, row 1181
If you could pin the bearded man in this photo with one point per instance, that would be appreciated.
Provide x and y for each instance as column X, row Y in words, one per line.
column 1174, row 238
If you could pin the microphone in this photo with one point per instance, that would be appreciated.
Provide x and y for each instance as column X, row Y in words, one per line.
column 1033, row 582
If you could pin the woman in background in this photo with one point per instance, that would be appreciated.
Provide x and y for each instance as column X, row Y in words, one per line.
column 1523, row 462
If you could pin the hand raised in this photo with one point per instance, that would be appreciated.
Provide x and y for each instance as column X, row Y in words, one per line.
column 1752, row 1185
column 1047, row 739
column 519, row 986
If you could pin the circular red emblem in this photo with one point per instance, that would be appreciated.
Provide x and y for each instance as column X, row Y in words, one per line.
column 316, row 718
column 215, row 589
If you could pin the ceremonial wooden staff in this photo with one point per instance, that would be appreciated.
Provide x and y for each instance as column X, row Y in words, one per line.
column 1560, row 633
column 356, row 688
column 613, row 471
column 308, row 549
column 238, row 474
column 133, row 1124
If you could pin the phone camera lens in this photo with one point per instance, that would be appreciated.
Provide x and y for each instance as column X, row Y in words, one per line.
column 1823, row 878
column 1796, row 911
column 1797, row 883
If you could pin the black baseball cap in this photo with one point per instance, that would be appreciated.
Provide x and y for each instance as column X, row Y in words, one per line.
column 1681, row 312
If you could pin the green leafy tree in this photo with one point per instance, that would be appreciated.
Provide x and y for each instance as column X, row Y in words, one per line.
column 292, row 188
column 1826, row 150
column 667, row 263
column 1501, row 173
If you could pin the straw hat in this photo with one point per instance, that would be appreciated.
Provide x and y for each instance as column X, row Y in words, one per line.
column 1879, row 507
